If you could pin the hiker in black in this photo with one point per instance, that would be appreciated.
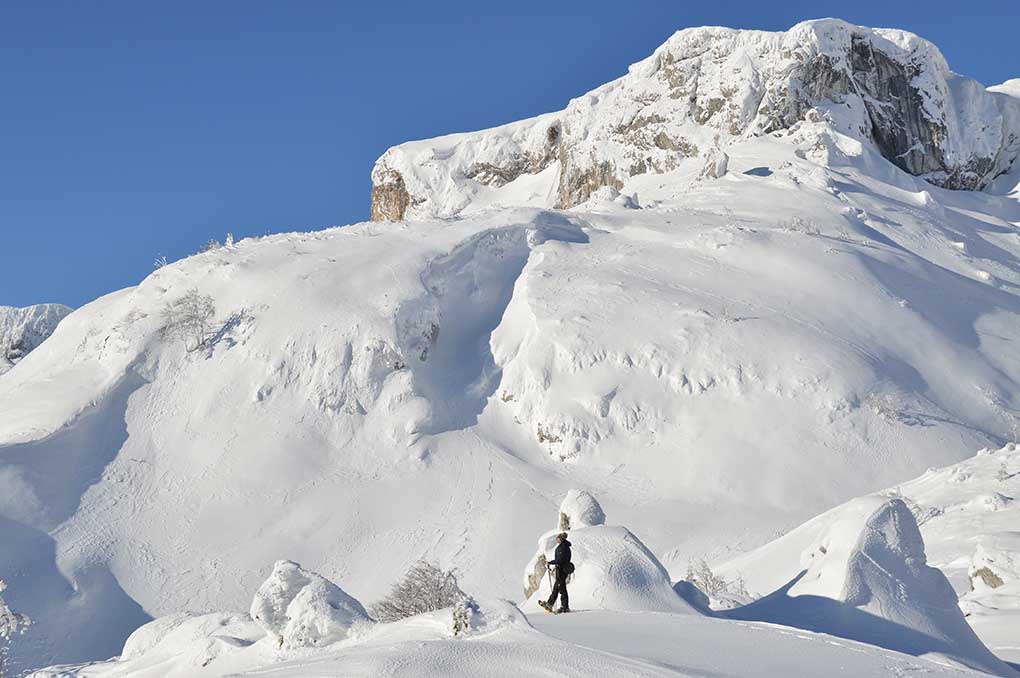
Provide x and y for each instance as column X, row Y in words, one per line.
column 563, row 569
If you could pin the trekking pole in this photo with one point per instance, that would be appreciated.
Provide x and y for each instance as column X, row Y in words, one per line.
column 548, row 571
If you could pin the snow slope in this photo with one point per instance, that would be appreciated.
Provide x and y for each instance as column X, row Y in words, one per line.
column 717, row 360
column 498, row 640
column 23, row 329
column 593, row 644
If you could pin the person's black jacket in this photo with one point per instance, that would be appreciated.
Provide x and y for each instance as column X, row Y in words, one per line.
column 562, row 555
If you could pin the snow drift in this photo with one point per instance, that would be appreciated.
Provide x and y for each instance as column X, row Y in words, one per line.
column 967, row 519
column 876, row 589
column 614, row 570
column 298, row 608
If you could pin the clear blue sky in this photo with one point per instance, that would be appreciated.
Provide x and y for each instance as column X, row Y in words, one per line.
column 134, row 129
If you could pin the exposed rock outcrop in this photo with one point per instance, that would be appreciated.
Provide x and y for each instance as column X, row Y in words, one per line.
column 706, row 88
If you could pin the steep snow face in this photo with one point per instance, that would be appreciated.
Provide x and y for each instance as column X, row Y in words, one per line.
column 23, row 329
column 708, row 87
column 875, row 588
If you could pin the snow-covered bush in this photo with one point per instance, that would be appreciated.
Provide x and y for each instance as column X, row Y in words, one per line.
column 464, row 613
column 189, row 319
column 722, row 593
column 701, row 575
column 11, row 624
column 299, row 608
column 424, row 588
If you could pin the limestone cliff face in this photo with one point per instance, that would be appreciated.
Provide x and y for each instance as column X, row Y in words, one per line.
column 706, row 88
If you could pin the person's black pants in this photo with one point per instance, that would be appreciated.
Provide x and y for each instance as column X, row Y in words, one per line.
column 560, row 589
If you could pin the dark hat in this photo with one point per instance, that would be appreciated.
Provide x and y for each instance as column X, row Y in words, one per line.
column 562, row 535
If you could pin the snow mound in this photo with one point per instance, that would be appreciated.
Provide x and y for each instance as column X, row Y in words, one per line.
column 181, row 645
column 887, row 594
column 968, row 521
column 613, row 569
column 23, row 329
column 580, row 509
column 299, row 608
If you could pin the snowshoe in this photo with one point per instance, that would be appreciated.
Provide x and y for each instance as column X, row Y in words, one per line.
column 547, row 607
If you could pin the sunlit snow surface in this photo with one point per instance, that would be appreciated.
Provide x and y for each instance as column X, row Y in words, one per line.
column 717, row 360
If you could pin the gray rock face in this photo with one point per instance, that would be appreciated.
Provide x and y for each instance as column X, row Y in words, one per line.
column 389, row 196
column 706, row 88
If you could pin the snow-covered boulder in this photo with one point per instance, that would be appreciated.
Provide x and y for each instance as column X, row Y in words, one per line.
column 299, row 608
column 580, row 509
column 716, row 164
column 876, row 588
column 614, row 570
column 23, row 329
column 181, row 645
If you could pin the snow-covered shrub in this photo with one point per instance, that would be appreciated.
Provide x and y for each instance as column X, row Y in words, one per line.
column 299, row 608
column 211, row 245
column 425, row 588
column 464, row 613
column 11, row 624
column 189, row 318
column 721, row 593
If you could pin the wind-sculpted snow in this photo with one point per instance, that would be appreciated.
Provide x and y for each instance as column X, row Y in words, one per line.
column 876, row 588
column 23, row 329
column 706, row 89
column 968, row 521
column 614, row 570
column 298, row 608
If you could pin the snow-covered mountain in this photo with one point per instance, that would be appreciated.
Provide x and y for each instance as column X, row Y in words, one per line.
column 720, row 318
column 707, row 88
column 23, row 329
